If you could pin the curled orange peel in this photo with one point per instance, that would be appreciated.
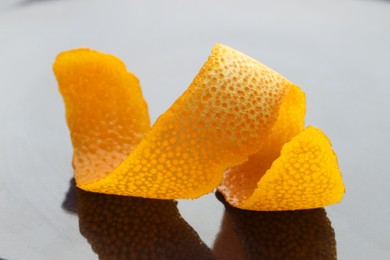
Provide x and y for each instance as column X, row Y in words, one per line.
column 305, row 175
column 106, row 113
column 295, row 169
column 236, row 108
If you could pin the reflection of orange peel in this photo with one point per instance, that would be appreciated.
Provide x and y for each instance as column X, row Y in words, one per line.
column 234, row 109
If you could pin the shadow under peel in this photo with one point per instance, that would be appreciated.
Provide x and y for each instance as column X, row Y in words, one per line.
column 122, row 227
column 300, row 234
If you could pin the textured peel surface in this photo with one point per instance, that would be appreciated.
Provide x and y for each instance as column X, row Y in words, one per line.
column 105, row 111
column 220, row 120
column 305, row 175
column 239, row 182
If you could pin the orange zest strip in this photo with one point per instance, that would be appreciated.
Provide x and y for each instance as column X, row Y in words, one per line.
column 239, row 182
column 106, row 113
column 220, row 120
column 305, row 175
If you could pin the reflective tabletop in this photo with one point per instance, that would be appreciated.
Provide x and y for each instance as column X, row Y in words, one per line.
column 336, row 51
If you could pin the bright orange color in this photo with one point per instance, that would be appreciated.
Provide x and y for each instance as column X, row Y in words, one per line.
column 106, row 113
column 239, row 182
column 306, row 175
column 284, row 175
column 221, row 119
column 236, row 114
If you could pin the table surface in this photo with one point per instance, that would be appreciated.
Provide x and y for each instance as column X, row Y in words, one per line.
column 337, row 51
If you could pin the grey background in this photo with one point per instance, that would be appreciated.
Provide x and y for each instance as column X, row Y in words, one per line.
column 336, row 50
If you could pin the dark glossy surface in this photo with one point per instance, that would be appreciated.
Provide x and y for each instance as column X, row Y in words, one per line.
column 133, row 228
column 302, row 234
column 337, row 51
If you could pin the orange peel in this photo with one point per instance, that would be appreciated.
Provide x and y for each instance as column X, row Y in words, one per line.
column 295, row 169
column 237, row 114
column 306, row 175
column 239, row 182
column 105, row 111
column 221, row 119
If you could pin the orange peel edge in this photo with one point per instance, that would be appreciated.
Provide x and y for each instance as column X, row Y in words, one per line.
column 221, row 119
column 306, row 175
column 235, row 110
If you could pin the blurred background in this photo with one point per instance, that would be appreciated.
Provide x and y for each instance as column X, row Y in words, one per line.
column 337, row 51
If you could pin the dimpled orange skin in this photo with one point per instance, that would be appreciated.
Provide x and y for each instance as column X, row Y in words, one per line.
column 106, row 113
column 239, row 182
column 221, row 119
column 306, row 175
